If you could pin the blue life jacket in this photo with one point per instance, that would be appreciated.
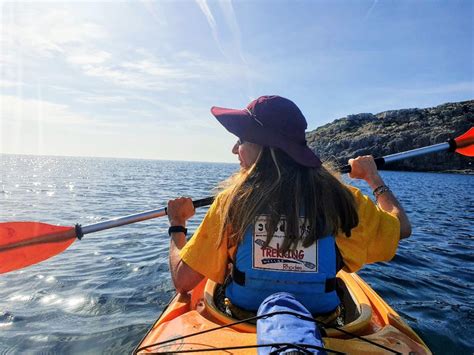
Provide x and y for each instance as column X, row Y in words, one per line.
column 307, row 273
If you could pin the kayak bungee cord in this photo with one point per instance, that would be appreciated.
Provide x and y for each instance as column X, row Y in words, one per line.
column 325, row 325
column 285, row 346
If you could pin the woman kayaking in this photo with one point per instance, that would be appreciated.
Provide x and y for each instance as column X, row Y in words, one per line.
column 284, row 221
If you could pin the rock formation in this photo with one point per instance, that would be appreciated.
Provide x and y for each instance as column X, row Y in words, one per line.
column 396, row 131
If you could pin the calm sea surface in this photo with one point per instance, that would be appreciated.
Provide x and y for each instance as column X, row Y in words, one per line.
column 102, row 293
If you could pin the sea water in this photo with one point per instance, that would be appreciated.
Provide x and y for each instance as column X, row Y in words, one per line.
column 103, row 293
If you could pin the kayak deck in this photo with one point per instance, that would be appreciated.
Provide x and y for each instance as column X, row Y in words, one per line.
column 367, row 315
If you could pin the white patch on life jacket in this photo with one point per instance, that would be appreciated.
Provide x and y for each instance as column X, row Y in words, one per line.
column 271, row 258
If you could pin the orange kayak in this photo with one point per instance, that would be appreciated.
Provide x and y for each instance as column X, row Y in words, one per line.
column 192, row 322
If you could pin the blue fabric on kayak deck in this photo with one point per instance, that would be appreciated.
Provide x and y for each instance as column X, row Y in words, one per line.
column 286, row 328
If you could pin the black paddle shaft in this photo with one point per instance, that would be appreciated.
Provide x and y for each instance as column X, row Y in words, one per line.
column 378, row 161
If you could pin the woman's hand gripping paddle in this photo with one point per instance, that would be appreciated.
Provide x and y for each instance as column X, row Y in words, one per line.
column 26, row 243
column 463, row 145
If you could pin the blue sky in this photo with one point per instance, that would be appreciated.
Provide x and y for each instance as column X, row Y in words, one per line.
column 137, row 79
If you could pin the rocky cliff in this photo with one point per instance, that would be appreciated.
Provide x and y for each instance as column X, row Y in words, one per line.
column 396, row 131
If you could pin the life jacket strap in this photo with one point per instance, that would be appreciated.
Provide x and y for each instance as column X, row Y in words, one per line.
column 239, row 278
column 330, row 285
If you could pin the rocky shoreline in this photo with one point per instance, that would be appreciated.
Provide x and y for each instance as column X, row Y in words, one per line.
column 395, row 131
column 463, row 172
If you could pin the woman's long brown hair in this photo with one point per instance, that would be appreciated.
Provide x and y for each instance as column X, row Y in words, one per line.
column 278, row 187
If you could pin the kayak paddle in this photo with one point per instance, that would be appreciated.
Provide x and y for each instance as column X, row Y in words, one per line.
column 464, row 144
column 26, row 243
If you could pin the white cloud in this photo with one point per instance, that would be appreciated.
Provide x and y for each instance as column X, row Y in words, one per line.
column 120, row 77
column 231, row 19
column 9, row 84
column 212, row 24
column 35, row 32
column 20, row 113
column 159, row 71
column 29, row 2
column 32, row 38
column 209, row 17
column 230, row 46
column 153, row 7
column 371, row 9
column 83, row 57
column 17, row 109
column 150, row 73
column 101, row 99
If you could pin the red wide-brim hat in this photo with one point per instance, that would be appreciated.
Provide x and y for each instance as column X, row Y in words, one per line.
column 271, row 121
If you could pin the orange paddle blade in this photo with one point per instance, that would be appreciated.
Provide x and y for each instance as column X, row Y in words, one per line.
column 27, row 243
column 465, row 143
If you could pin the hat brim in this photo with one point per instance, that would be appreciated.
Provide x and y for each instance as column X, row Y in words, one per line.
column 243, row 125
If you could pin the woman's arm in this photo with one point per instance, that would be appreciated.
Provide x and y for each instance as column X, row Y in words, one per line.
column 364, row 168
column 183, row 276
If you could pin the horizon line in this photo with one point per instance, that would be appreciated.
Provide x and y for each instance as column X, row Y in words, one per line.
column 121, row 158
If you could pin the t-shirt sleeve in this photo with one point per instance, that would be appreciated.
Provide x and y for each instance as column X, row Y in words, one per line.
column 374, row 239
column 202, row 253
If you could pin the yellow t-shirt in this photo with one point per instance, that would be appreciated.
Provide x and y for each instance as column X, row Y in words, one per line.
column 374, row 239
